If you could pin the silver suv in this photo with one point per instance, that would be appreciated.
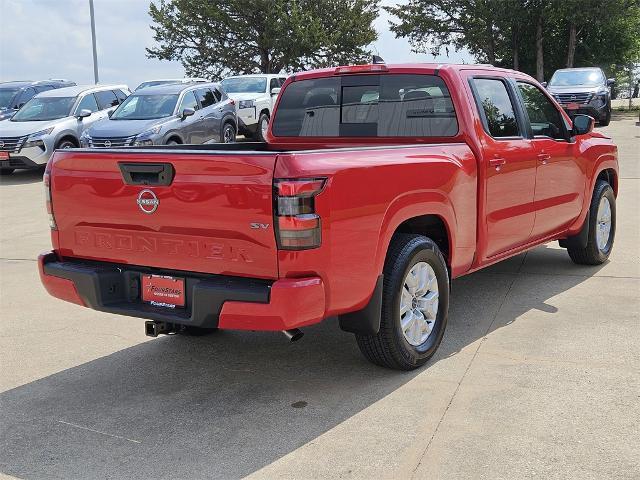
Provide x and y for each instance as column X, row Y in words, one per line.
column 51, row 120
column 166, row 115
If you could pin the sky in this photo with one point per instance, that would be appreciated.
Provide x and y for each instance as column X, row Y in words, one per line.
column 42, row 39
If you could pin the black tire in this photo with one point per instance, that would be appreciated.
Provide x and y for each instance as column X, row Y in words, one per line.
column 66, row 143
column 592, row 254
column 389, row 347
column 264, row 117
column 7, row 171
column 172, row 142
column 228, row 134
column 607, row 118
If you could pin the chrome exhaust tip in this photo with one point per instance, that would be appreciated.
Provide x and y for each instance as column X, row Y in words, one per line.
column 293, row 335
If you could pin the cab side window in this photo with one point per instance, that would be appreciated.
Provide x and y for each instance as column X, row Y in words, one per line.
column 274, row 83
column 206, row 97
column 545, row 119
column 494, row 101
column 106, row 99
column 26, row 95
column 188, row 101
column 88, row 103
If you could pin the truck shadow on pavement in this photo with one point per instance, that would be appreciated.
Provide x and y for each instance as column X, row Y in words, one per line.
column 225, row 405
column 23, row 177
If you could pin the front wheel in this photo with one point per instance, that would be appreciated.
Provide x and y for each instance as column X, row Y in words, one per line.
column 65, row 144
column 415, row 304
column 607, row 119
column 602, row 228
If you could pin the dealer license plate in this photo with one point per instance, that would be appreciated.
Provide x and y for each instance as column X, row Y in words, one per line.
column 163, row 291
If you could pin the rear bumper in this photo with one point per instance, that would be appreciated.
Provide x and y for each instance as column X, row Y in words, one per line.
column 211, row 300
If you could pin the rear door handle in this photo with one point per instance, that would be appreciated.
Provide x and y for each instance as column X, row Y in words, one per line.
column 497, row 162
column 544, row 158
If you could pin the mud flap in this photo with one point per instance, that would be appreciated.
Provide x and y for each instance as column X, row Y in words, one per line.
column 367, row 320
column 580, row 239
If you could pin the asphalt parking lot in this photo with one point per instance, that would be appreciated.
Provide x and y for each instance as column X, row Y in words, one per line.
column 538, row 376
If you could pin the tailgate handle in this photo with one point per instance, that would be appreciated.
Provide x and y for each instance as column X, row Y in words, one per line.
column 147, row 173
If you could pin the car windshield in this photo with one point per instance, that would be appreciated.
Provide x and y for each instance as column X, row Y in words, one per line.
column 146, row 107
column 566, row 78
column 245, row 85
column 45, row 108
column 155, row 83
column 6, row 94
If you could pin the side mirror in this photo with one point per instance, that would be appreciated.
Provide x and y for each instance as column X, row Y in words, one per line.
column 611, row 81
column 110, row 112
column 582, row 124
column 187, row 112
column 275, row 91
column 20, row 106
column 85, row 112
column 544, row 84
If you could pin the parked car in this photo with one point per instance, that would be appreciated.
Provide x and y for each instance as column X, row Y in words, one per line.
column 255, row 96
column 166, row 115
column 583, row 91
column 14, row 95
column 167, row 81
column 51, row 120
column 377, row 186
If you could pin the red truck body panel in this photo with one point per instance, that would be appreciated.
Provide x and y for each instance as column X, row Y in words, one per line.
column 495, row 197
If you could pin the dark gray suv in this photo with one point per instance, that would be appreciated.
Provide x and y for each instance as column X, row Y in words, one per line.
column 583, row 91
column 167, row 115
column 14, row 95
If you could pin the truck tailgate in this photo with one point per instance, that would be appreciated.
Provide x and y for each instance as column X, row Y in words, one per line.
column 215, row 216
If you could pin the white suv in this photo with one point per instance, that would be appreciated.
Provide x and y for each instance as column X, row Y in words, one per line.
column 255, row 96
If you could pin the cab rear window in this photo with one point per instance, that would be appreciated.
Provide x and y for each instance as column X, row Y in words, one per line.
column 392, row 105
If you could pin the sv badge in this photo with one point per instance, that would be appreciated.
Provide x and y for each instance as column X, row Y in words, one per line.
column 259, row 226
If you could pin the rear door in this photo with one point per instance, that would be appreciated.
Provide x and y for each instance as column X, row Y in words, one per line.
column 509, row 160
column 201, row 221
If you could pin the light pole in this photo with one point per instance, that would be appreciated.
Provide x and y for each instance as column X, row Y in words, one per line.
column 93, row 41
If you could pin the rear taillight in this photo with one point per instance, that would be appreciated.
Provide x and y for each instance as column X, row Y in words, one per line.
column 298, row 225
column 46, row 181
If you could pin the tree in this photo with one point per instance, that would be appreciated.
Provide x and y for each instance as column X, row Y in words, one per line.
column 535, row 36
column 217, row 38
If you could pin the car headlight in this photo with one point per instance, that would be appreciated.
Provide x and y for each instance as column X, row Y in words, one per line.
column 143, row 138
column 85, row 139
column 35, row 139
column 246, row 104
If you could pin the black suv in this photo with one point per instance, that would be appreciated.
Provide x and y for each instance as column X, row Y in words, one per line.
column 15, row 94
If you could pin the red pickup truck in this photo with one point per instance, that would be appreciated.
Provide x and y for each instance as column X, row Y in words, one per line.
column 378, row 184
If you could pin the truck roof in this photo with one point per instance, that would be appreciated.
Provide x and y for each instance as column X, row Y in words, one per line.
column 400, row 68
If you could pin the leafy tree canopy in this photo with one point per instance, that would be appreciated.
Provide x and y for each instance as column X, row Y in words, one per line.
column 217, row 38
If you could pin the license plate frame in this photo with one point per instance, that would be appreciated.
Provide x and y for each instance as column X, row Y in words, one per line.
column 163, row 290
column 573, row 106
column 4, row 155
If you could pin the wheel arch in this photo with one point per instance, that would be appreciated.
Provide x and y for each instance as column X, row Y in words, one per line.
column 67, row 136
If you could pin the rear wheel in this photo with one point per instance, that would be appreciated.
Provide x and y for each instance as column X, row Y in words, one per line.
column 263, row 125
column 228, row 133
column 7, row 171
column 172, row 142
column 602, row 228
column 415, row 304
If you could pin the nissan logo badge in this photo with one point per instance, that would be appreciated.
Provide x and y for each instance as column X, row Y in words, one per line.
column 107, row 143
column 147, row 201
